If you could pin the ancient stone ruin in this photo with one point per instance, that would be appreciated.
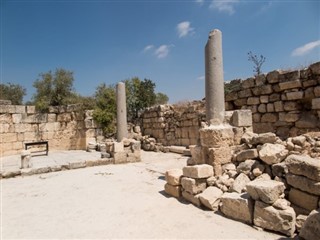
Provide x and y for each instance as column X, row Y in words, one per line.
column 257, row 179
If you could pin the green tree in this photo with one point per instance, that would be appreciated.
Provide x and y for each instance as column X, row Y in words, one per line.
column 105, row 109
column 161, row 98
column 53, row 89
column 140, row 95
column 12, row 92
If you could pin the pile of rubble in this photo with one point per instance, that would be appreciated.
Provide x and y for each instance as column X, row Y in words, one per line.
column 270, row 183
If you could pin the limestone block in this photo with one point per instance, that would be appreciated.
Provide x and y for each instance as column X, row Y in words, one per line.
column 264, row 138
column 242, row 118
column 210, row 198
column 304, row 165
column 174, row 191
column 270, row 107
column 256, row 117
column 290, row 85
column 25, row 159
column 272, row 153
column 247, row 154
column 220, row 155
column 268, row 217
column 119, row 157
column 240, row 102
column 261, row 80
column 267, row 191
column 8, row 137
column 261, row 90
column 311, row 228
column 304, row 184
column 215, row 136
column 264, row 99
column 239, row 184
column 194, row 199
column 237, row 206
column 269, row 117
column 279, row 169
column 262, row 108
column 76, row 165
column 295, row 95
column 303, row 199
column 118, row 147
column 289, row 117
column 244, row 93
column 197, row 153
column 274, row 97
column 198, row 171
column 193, row 186
column 273, row 77
column 253, row 101
column 231, row 96
column 300, row 220
column 316, row 103
column 173, row 176
column 248, row 83
column 315, row 68
column 291, row 106
column 10, row 173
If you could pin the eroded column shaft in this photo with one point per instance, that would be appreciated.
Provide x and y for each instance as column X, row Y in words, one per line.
column 215, row 106
column 122, row 130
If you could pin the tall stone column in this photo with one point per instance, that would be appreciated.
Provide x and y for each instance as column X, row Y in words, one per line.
column 122, row 130
column 215, row 106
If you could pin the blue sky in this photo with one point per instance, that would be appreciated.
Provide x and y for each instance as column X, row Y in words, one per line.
column 162, row 40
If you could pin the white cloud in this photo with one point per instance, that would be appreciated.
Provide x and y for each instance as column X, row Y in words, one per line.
column 308, row 47
column 224, row 5
column 162, row 51
column 184, row 29
column 147, row 48
column 201, row 78
column 200, row 2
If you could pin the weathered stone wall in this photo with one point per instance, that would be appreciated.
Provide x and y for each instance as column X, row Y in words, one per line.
column 65, row 128
column 287, row 103
column 174, row 124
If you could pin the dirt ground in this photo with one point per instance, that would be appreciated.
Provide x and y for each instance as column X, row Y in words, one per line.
column 110, row 202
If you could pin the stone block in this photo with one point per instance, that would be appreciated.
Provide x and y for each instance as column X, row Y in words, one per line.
column 242, row 118
column 268, row 217
column 289, row 117
column 118, row 147
column 31, row 109
column 300, row 220
column 267, row 191
column 198, row 171
column 303, row 199
column 269, row 117
column 194, row 199
column 76, row 165
column 270, row 107
column 210, row 198
column 215, row 136
column 197, row 154
column 290, row 85
column 253, row 101
column 248, row 83
column 120, row 157
column 311, row 228
column 315, row 68
column 244, row 93
column 173, row 176
column 239, row 184
column 262, row 108
column 273, row 77
column 304, row 184
column 174, row 191
column 274, row 97
column 264, row 99
column 304, row 165
column 193, row 186
column 317, row 91
column 246, row 166
column 220, row 155
column 278, row 106
column 240, row 102
column 262, row 90
column 316, row 103
column 247, row 154
column 272, row 153
column 263, row 138
column 279, row 169
column 295, row 95
column 237, row 206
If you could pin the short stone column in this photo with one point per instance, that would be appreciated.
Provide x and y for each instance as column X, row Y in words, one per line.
column 122, row 130
column 215, row 106
column 25, row 159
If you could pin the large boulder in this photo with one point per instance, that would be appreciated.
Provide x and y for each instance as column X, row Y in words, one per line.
column 211, row 198
column 237, row 206
column 311, row 228
column 267, row 191
column 268, row 217
column 198, row 171
column 304, row 165
column 272, row 153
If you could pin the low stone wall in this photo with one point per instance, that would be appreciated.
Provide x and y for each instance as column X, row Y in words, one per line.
column 287, row 103
column 64, row 127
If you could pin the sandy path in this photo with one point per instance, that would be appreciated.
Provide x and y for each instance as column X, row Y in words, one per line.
column 114, row 201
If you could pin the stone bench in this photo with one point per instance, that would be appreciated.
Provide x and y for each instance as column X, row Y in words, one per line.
column 37, row 144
